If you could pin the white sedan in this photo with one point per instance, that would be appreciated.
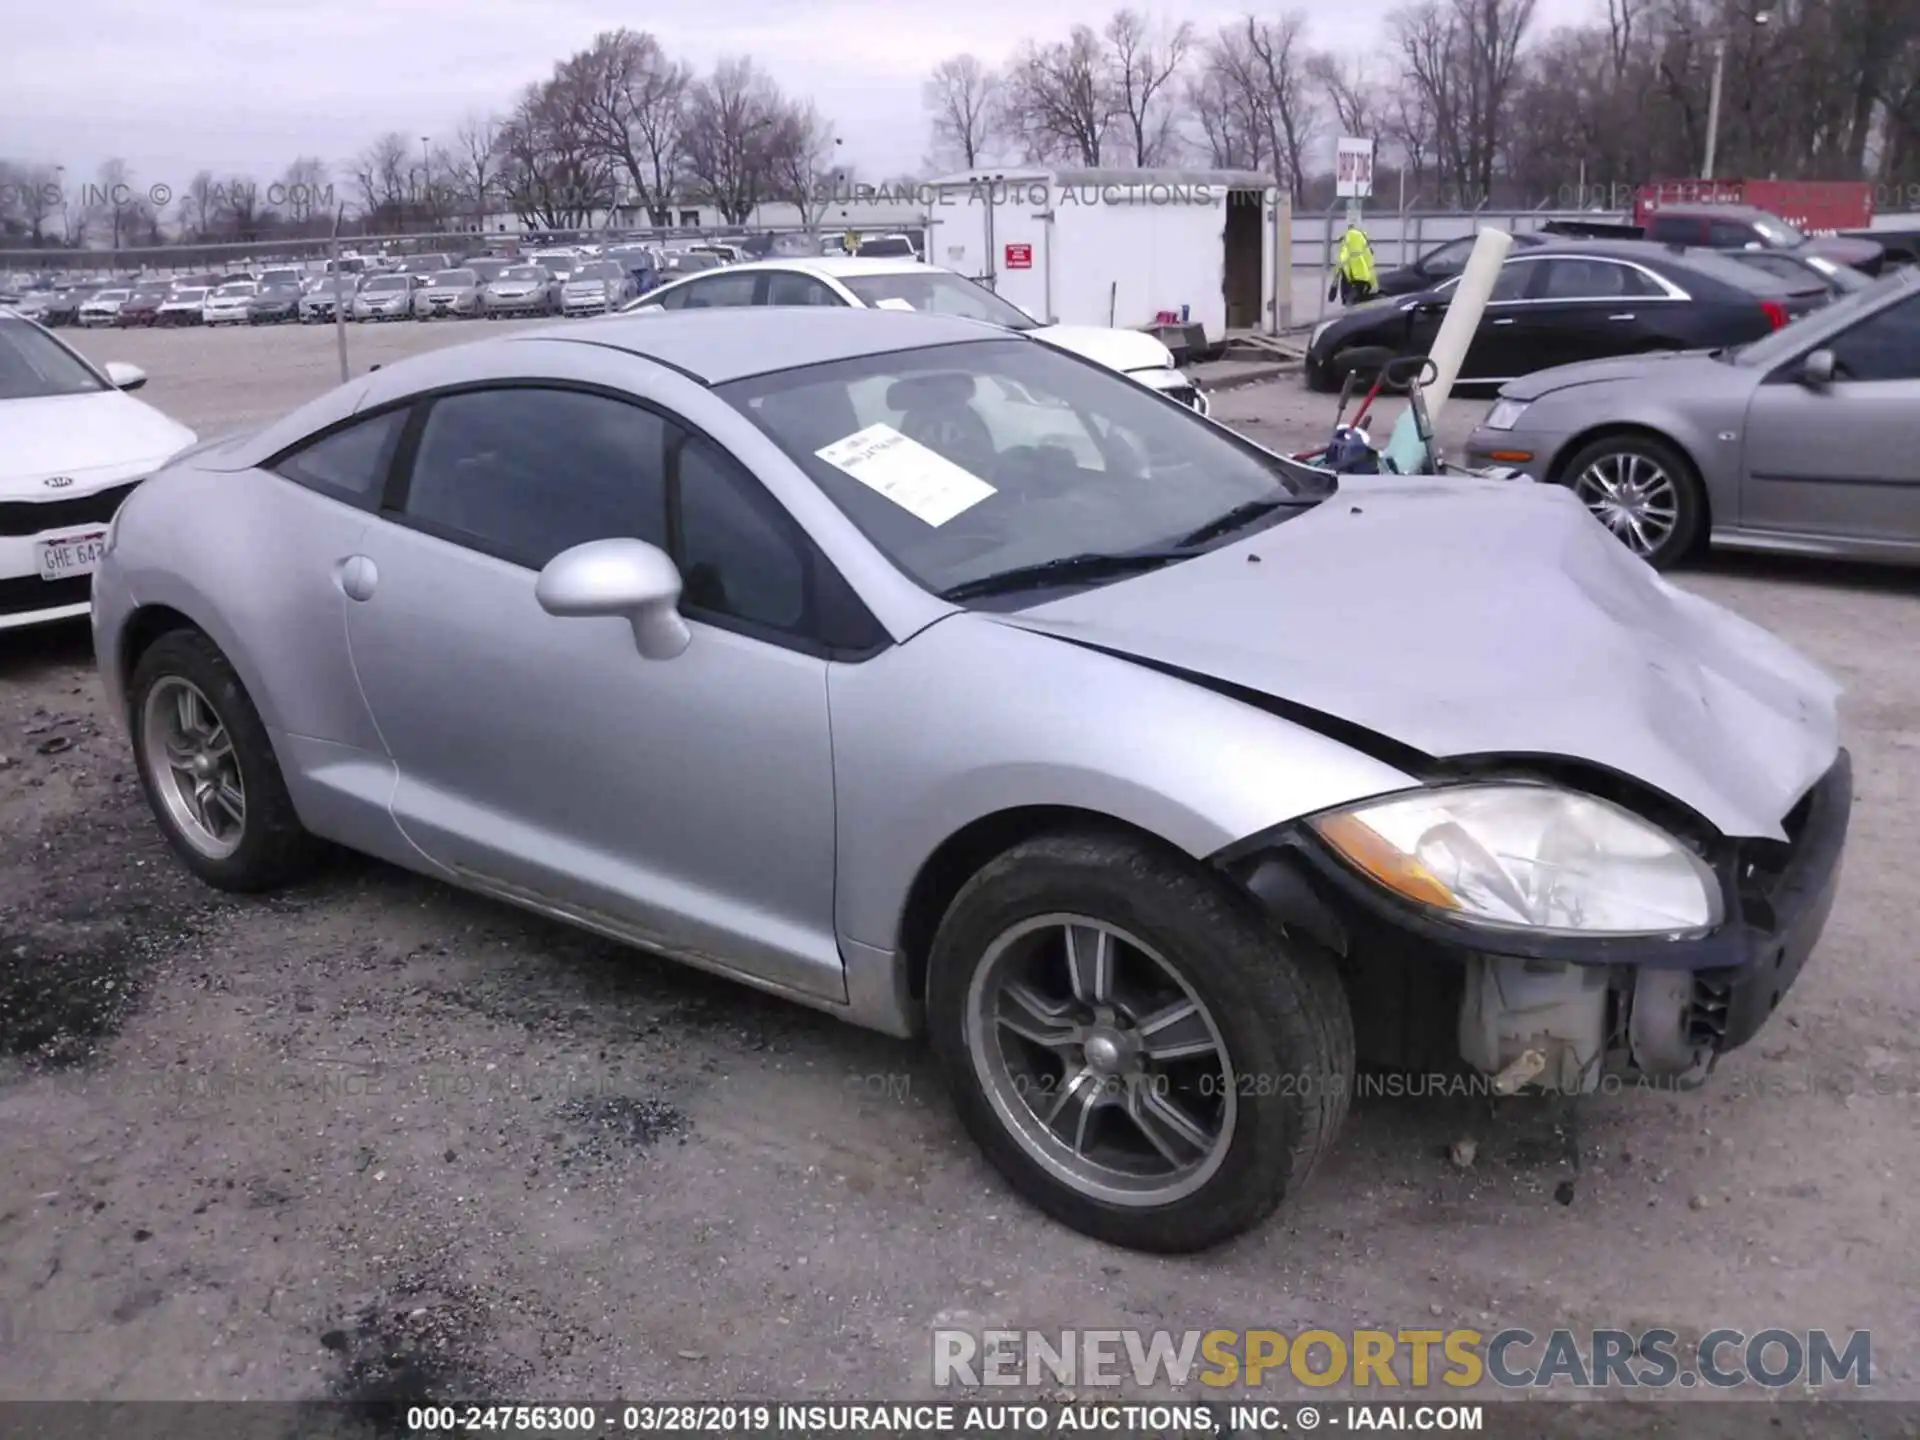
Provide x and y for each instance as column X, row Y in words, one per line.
column 890, row 284
column 227, row 305
column 73, row 445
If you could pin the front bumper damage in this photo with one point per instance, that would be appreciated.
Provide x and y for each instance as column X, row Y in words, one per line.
column 1554, row 1013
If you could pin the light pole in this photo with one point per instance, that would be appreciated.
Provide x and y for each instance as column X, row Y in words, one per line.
column 1759, row 17
column 426, row 178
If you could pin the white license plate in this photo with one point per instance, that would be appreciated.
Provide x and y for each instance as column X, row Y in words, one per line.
column 71, row 555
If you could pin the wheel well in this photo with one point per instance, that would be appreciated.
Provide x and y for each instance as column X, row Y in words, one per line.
column 146, row 625
column 962, row 855
column 1557, row 470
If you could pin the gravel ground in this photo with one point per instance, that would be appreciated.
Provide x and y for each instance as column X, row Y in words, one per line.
column 375, row 1137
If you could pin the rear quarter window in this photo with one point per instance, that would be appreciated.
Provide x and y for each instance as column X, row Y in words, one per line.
column 1747, row 279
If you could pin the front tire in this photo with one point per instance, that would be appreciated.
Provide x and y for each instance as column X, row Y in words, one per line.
column 209, row 771
column 1139, row 1054
column 1644, row 490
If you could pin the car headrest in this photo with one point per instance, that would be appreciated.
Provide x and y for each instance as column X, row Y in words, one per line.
column 945, row 391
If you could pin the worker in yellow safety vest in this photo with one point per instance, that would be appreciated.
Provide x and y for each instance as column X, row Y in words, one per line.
column 1355, row 264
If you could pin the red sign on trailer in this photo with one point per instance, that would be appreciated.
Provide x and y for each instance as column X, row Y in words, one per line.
column 1019, row 257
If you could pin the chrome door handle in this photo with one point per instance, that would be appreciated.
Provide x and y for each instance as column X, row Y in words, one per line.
column 1503, row 322
column 1623, row 317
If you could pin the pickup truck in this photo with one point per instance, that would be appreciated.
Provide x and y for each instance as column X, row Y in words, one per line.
column 1732, row 227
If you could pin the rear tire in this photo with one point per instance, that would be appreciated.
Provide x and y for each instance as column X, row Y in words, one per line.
column 208, row 769
column 1259, row 1020
column 1644, row 490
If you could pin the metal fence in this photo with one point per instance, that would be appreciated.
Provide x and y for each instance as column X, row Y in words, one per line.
column 162, row 261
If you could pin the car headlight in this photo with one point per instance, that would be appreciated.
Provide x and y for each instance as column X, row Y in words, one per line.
column 1318, row 331
column 1504, row 415
column 1528, row 857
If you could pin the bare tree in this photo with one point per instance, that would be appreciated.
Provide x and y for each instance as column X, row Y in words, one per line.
column 114, row 194
column 1463, row 57
column 380, row 175
column 1143, row 69
column 29, row 195
column 473, row 165
column 962, row 99
column 303, row 188
column 731, row 138
column 1349, row 91
column 1059, row 99
column 634, row 97
column 1278, row 55
column 1224, row 114
column 802, row 162
column 554, row 171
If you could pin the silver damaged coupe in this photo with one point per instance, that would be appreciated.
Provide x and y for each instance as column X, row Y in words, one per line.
column 957, row 685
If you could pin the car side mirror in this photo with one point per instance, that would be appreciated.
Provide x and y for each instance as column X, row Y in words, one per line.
column 1818, row 369
column 630, row 579
column 123, row 376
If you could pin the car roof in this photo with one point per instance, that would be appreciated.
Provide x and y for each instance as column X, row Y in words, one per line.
column 840, row 267
column 1707, row 212
column 719, row 345
column 710, row 347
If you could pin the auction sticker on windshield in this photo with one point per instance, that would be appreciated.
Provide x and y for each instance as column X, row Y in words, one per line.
column 926, row 485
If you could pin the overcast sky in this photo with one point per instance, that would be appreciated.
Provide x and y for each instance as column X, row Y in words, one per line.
column 245, row 86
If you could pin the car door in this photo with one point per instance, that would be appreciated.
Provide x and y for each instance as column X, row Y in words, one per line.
column 1588, row 307
column 1493, row 352
column 1844, row 458
column 684, row 804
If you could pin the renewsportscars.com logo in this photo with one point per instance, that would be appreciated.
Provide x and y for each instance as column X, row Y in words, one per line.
column 1390, row 1359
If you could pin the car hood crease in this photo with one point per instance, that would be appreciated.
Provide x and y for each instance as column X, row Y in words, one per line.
column 1466, row 619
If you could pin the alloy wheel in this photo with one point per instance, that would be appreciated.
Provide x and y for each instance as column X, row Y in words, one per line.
column 1633, row 496
column 1101, row 1061
column 191, row 767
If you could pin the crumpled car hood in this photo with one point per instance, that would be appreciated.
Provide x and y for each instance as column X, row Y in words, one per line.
column 1468, row 618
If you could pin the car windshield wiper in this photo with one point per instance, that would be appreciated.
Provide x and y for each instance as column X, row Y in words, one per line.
column 1066, row 570
column 1238, row 518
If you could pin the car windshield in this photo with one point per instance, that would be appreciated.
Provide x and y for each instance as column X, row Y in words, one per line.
column 194, row 293
column 34, row 364
column 382, row 283
column 599, row 270
column 151, row 292
column 523, row 272
column 1777, row 232
column 453, row 280
column 689, row 262
column 107, row 297
column 238, row 288
column 941, row 293
column 963, row 462
column 1788, row 341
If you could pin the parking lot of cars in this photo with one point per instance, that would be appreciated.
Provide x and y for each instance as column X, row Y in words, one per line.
column 267, row 1147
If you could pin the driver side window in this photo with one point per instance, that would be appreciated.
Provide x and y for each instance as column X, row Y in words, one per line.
column 718, row 291
column 1449, row 259
column 1885, row 346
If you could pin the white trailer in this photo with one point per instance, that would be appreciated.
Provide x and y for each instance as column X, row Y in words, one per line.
column 1129, row 248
